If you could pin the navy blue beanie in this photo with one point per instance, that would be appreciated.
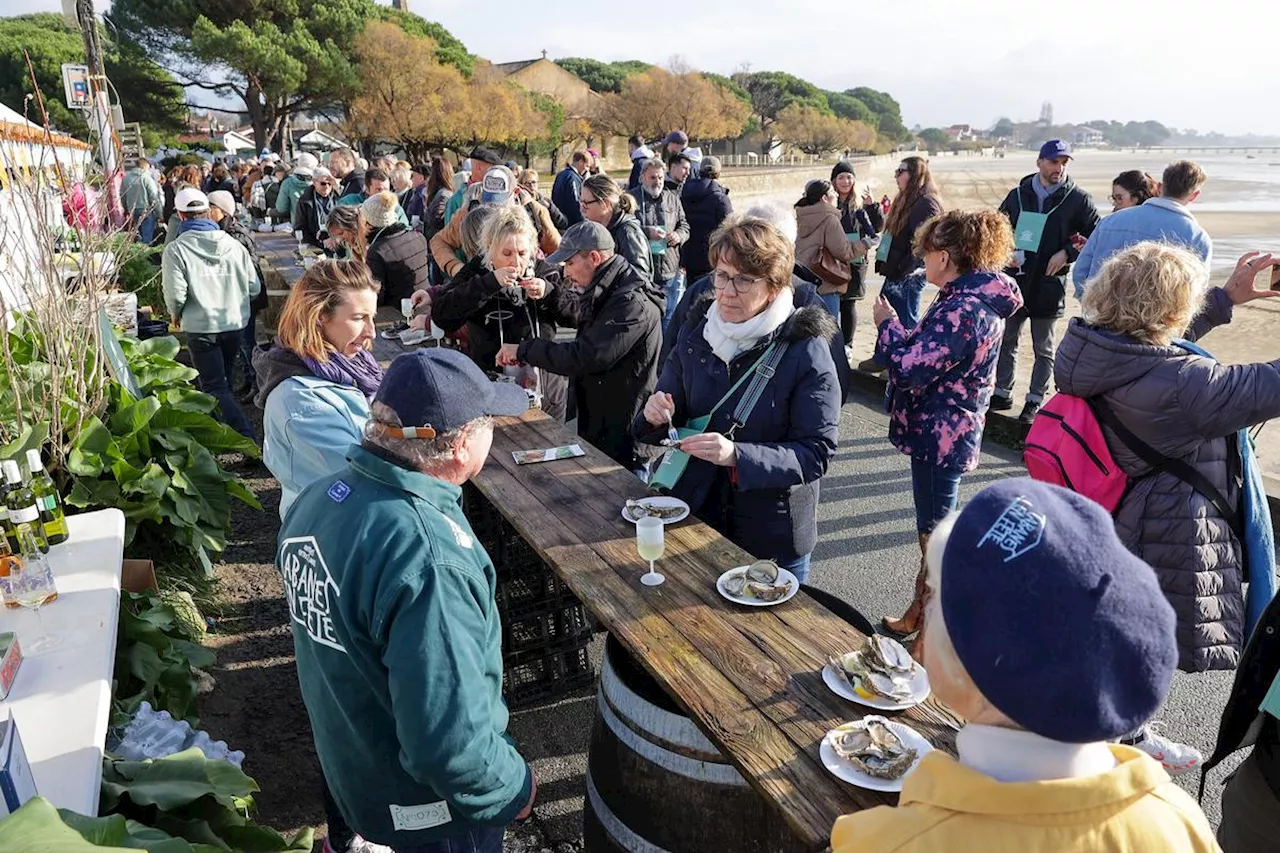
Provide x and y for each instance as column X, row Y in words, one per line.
column 1060, row 627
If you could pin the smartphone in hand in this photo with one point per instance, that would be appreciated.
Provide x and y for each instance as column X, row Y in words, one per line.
column 1275, row 278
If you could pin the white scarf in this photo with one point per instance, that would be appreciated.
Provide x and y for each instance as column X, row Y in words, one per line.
column 1009, row 755
column 729, row 339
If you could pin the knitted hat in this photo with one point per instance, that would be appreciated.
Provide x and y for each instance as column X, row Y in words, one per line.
column 223, row 200
column 841, row 168
column 380, row 209
column 1060, row 627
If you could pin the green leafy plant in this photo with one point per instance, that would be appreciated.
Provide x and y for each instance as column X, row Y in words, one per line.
column 154, row 458
column 157, row 655
column 205, row 801
column 139, row 273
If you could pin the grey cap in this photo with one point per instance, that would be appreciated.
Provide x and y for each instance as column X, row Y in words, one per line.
column 583, row 237
column 710, row 166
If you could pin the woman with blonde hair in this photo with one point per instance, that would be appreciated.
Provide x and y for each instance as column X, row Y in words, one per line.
column 942, row 371
column 1050, row 640
column 506, row 299
column 603, row 201
column 1171, row 402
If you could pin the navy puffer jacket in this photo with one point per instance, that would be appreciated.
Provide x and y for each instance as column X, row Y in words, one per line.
column 768, row 504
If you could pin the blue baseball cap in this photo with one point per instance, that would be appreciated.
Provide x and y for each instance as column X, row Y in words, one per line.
column 1055, row 148
column 1060, row 626
column 443, row 389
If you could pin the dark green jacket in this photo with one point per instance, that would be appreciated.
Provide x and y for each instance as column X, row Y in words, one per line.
column 399, row 654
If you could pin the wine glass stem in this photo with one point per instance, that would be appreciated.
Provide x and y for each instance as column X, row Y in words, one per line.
column 39, row 639
column 652, row 570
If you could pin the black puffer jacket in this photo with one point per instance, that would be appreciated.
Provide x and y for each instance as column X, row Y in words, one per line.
column 630, row 242
column 1186, row 407
column 474, row 299
column 398, row 258
column 313, row 215
column 706, row 205
column 1072, row 212
column 667, row 213
column 613, row 362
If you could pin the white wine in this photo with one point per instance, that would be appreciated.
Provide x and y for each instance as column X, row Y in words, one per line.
column 650, row 550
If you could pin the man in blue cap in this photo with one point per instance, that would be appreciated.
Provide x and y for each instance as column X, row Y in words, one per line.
column 1047, row 210
column 396, row 630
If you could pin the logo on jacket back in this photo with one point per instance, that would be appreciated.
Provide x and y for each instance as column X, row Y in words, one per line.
column 308, row 586
column 1017, row 530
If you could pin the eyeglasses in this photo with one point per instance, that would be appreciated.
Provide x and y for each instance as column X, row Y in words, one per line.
column 901, row 171
column 1119, row 198
column 740, row 283
column 587, row 203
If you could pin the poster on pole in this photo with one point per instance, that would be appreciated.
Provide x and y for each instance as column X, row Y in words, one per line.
column 75, row 81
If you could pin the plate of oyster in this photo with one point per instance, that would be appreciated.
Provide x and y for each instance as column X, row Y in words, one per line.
column 667, row 508
column 873, row 752
column 880, row 675
column 761, row 584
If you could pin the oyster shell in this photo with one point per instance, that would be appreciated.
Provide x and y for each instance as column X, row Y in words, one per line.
column 873, row 748
column 637, row 510
column 763, row 571
column 767, row 591
column 736, row 584
column 882, row 669
column 885, row 654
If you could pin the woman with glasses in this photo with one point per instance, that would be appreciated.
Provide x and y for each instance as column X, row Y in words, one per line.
column 314, row 206
column 1131, row 189
column 754, row 481
column 916, row 202
column 942, row 371
column 603, row 201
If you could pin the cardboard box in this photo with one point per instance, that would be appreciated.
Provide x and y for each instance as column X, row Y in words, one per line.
column 10, row 660
column 138, row 576
column 16, row 782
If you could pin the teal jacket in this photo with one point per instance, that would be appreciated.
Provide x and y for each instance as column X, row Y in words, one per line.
column 290, row 190
column 208, row 279
column 399, row 652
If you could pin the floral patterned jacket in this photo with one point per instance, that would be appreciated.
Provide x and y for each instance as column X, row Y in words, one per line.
column 941, row 373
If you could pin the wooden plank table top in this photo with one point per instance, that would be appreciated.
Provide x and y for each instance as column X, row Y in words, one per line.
column 749, row 677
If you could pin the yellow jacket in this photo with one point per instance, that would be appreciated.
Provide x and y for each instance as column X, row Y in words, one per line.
column 946, row 806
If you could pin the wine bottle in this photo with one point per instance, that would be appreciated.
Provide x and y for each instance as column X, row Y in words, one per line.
column 52, row 516
column 23, row 512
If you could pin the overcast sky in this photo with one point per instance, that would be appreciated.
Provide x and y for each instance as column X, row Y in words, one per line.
column 1207, row 64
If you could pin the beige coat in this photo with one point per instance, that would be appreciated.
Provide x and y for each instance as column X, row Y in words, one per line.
column 818, row 227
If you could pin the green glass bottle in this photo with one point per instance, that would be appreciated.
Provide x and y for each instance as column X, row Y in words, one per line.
column 52, row 517
column 6, row 529
column 23, row 512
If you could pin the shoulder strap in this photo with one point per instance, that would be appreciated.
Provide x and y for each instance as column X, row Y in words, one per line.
column 743, row 378
column 760, row 378
column 1177, row 467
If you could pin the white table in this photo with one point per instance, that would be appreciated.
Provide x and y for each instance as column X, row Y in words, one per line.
column 61, row 698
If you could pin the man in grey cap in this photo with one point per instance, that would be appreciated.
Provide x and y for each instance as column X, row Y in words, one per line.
column 613, row 361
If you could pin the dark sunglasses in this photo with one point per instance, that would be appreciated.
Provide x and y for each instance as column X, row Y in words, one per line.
column 901, row 171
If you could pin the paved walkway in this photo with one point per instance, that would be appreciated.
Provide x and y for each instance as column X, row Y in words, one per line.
column 867, row 555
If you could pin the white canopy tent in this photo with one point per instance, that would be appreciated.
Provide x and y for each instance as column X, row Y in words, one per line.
column 25, row 148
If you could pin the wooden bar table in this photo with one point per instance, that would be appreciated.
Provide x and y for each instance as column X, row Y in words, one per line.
column 750, row 678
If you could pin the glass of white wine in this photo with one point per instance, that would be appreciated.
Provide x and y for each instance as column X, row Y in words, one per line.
column 650, row 543
column 30, row 584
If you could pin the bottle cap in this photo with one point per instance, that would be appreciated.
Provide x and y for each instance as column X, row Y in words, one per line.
column 11, row 472
column 33, row 461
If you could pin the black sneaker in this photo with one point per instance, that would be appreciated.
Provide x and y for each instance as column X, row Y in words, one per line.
column 1028, row 412
column 1001, row 404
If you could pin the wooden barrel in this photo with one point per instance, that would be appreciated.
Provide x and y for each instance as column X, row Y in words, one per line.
column 655, row 784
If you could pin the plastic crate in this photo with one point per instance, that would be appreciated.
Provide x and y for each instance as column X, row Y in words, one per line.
column 531, row 592
column 549, row 628
column 539, row 676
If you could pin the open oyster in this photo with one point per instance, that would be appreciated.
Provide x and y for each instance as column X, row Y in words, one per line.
column 760, row 581
column 736, row 584
column 637, row 510
column 874, row 749
column 767, row 591
column 882, row 669
column 763, row 571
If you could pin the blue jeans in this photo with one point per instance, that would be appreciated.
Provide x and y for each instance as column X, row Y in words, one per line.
column 936, row 492
column 904, row 296
column 214, row 354
column 675, row 289
column 248, row 340
column 798, row 567
column 832, row 301
column 485, row 839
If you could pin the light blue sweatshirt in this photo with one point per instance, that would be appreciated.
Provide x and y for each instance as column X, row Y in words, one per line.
column 1155, row 219
column 208, row 279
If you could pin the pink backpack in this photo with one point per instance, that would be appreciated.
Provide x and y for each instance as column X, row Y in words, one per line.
column 1066, row 447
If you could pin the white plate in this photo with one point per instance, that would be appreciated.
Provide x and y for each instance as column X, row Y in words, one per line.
column 840, row 686
column 844, row 770
column 662, row 501
column 783, row 575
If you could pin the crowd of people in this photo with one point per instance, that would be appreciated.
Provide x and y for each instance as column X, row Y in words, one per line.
column 652, row 309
